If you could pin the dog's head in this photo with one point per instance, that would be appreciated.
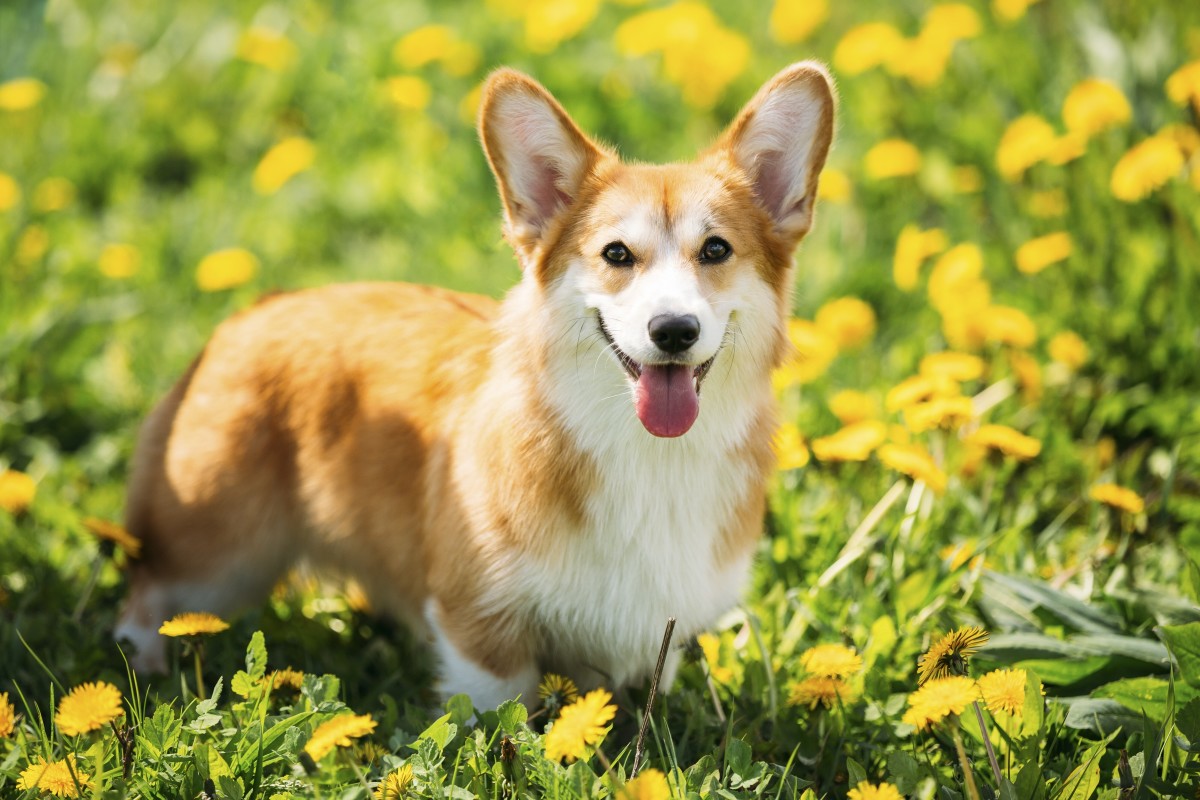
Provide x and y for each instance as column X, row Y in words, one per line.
column 669, row 266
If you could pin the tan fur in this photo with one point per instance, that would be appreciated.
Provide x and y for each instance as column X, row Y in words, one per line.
column 405, row 435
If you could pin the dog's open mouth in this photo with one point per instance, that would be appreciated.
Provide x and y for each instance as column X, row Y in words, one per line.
column 667, row 396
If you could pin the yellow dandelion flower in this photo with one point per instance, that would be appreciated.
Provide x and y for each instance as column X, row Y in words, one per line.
column 831, row 661
column 834, row 186
column 193, row 623
column 940, row 412
column 919, row 389
column 1068, row 349
column 1004, row 690
column 112, row 532
column 338, row 732
column 851, row 406
column 913, row 246
column 1027, row 140
column 16, row 491
column 699, row 54
column 1185, row 136
column 966, row 179
column 892, row 158
column 922, row 59
column 396, row 785
column 1145, row 167
column 409, row 92
column 650, row 784
column 1037, row 254
column 1067, row 148
column 1048, row 203
column 424, row 45
column 1183, row 85
column 33, row 244
column 557, row 690
column 948, row 655
column 1011, row 10
column 59, row 778
column 21, row 94
column 711, row 647
column 790, row 450
column 1094, row 105
column 285, row 160
column 814, row 350
column 1006, row 440
column 915, row 462
column 959, row 266
column 118, row 260
column 1118, row 497
column 849, row 321
column 226, row 269
column 794, row 21
column 88, row 707
column 1028, row 374
column 580, row 725
column 8, row 716
column 1011, row 326
column 10, row 192
column 286, row 678
column 956, row 555
column 963, row 325
column 267, row 48
column 940, row 698
column 956, row 366
column 820, row 690
column 53, row 194
column 866, row 46
column 951, row 21
column 873, row 791
column 852, row 443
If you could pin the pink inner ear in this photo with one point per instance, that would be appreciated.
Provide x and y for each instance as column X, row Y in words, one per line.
column 771, row 183
column 546, row 193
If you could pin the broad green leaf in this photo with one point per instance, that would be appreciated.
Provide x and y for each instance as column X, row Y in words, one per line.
column 1063, row 672
column 242, row 684
column 1079, row 615
column 1144, row 695
column 512, row 715
column 855, row 772
column 1100, row 714
column 1147, row 650
column 256, row 656
column 460, row 709
column 1184, row 641
column 904, row 771
column 1187, row 720
column 1082, row 782
column 1194, row 580
column 440, row 732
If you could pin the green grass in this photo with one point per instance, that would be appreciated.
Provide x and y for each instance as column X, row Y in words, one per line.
column 159, row 126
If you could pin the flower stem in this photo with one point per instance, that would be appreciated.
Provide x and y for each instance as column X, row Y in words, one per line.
column 968, row 775
column 987, row 743
column 200, row 692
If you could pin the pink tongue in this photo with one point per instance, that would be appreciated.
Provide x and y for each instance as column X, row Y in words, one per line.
column 667, row 403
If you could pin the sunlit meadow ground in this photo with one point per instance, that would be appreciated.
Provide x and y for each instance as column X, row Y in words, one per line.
column 1009, row 235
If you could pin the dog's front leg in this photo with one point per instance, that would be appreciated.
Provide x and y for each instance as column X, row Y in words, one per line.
column 483, row 657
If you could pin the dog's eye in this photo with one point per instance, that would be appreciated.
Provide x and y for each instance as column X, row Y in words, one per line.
column 617, row 254
column 715, row 249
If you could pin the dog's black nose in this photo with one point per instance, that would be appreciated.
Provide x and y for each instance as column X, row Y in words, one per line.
column 674, row 333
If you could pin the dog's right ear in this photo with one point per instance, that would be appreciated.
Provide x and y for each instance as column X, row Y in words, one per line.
column 538, row 154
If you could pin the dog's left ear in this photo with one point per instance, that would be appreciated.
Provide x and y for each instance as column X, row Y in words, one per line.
column 538, row 154
column 781, row 139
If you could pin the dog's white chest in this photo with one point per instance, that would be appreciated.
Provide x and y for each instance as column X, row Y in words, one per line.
column 652, row 550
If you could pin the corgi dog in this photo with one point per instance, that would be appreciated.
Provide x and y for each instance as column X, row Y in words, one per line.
column 537, row 484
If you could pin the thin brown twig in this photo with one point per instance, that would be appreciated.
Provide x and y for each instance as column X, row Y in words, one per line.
column 639, row 750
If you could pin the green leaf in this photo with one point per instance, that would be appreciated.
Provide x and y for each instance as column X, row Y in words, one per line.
column 1147, row 650
column 1082, row 782
column 242, row 684
column 1184, row 641
column 460, row 709
column 440, row 732
column 1187, row 720
column 1063, row 672
column 1030, row 785
column 513, row 715
column 1144, row 695
column 855, row 772
column 737, row 759
column 1194, row 581
column 1079, row 615
column 256, row 656
column 231, row 788
column 904, row 771
column 1100, row 714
